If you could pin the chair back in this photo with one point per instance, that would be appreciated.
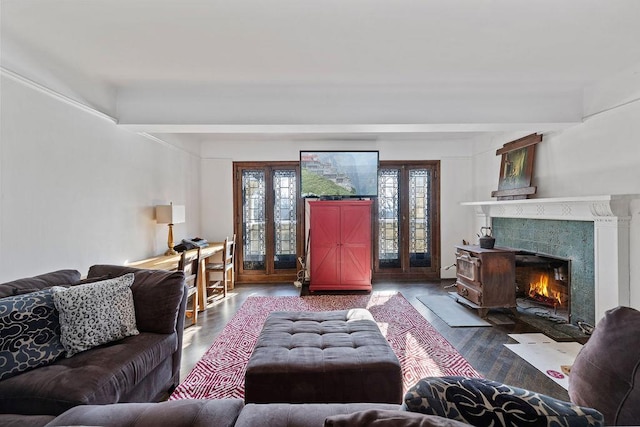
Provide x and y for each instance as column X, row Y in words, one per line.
column 229, row 250
column 221, row 275
column 190, row 265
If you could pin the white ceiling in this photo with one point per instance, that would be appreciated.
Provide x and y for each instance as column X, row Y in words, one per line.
column 198, row 66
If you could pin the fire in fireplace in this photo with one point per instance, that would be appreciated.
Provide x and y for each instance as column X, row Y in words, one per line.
column 543, row 281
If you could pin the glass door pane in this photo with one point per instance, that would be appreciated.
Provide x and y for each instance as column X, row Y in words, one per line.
column 284, row 219
column 253, row 220
column 419, row 218
column 388, row 219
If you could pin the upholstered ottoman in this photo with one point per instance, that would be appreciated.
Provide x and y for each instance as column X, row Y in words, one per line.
column 322, row 357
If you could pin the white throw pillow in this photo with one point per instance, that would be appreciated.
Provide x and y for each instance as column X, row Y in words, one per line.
column 95, row 313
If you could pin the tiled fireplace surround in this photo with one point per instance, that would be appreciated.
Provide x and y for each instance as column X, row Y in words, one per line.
column 593, row 232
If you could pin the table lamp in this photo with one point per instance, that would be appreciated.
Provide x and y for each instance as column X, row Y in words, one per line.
column 170, row 214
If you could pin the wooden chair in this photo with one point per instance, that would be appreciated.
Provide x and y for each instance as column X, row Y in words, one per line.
column 190, row 265
column 222, row 274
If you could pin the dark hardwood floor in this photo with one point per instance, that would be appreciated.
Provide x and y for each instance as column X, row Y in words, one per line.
column 482, row 347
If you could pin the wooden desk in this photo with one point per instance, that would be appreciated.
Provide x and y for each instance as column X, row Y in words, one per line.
column 170, row 262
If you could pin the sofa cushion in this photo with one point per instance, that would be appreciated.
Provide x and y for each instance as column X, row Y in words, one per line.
column 29, row 332
column 387, row 418
column 483, row 402
column 95, row 313
column 301, row 414
column 606, row 372
column 177, row 413
column 18, row 420
column 155, row 295
column 98, row 376
column 31, row 284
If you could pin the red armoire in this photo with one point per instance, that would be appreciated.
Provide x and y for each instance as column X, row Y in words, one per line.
column 340, row 245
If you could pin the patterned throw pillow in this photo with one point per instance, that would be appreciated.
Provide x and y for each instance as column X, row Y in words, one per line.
column 29, row 332
column 95, row 313
column 482, row 402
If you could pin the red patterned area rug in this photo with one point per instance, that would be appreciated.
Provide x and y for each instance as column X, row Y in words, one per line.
column 421, row 349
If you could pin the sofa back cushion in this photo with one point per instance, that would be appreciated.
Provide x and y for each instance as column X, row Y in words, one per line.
column 177, row 413
column 387, row 418
column 606, row 372
column 157, row 295
column 29, row 332
column 36, row 283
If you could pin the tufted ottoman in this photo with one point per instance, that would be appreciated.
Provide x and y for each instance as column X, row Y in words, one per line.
column 322, row 357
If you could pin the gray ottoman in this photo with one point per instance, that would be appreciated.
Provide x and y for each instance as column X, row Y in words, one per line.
column 322, row 357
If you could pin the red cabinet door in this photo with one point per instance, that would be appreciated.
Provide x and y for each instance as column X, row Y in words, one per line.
column 325, row 238
column 355, row 245
column 340, row 255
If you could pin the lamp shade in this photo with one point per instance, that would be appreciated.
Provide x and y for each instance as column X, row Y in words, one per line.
column 170, row 214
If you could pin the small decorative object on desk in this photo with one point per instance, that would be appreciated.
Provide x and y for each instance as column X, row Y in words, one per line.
column 486, row 240
column 188, row 244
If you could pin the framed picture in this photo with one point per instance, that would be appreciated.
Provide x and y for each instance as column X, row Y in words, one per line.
column 516, row 168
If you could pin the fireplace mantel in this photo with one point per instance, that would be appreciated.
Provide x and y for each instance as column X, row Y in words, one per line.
column 611, row 216
column 589, row 208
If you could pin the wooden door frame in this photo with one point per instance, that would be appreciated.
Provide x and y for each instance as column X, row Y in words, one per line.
column 269, row 275
column 404, row 272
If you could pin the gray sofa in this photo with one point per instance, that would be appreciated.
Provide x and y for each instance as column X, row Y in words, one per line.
column 433, row 402
column 604, row 377
column 138, row 368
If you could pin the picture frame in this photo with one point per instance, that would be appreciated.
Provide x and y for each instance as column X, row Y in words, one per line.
column 516, row 168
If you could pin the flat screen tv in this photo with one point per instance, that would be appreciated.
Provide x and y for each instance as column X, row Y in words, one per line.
column 339, row 174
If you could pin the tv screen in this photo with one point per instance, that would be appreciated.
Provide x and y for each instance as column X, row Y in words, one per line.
column 338, row 174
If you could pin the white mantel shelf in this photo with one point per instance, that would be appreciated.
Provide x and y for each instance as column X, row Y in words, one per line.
column 611, row 215
column 588, row 208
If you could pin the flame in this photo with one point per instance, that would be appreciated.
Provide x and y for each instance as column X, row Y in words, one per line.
column 541, row 287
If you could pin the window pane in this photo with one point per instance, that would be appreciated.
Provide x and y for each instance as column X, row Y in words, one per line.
column 253, row 219
column 419, row 223
column 388, row 221
column 284, row 218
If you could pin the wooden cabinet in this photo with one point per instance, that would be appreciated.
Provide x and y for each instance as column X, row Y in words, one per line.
column 486, row 277
column 340, row 245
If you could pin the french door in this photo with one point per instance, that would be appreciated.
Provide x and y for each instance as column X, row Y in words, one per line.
column 407, row 244
column 268, row 222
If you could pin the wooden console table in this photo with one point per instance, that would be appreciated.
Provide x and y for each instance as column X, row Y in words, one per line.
column 170, row 262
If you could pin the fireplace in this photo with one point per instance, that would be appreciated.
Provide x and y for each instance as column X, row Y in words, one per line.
column 601, row 271
column 543, row 283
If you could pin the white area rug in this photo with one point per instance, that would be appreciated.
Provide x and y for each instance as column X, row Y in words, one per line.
column 453, row 313
column 546, row 355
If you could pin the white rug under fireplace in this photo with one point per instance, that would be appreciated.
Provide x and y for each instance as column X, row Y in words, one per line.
column 550, row 357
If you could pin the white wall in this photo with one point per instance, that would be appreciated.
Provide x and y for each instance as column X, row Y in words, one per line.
column 599, row 157
column 455, row 168
column 76, row 190
column 217, row 196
